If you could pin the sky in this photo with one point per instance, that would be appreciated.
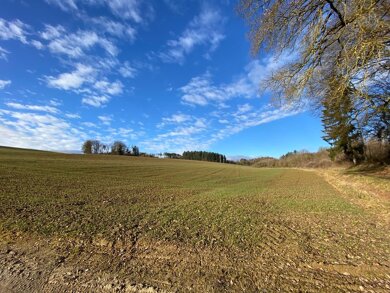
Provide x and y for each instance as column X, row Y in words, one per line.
column 165, row 75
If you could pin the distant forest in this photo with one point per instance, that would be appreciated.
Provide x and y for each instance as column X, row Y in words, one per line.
column 200, row 156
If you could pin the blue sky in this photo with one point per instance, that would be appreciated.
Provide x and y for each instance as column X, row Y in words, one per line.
column 166, row 75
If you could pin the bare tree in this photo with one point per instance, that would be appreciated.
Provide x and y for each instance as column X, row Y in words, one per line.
column 95, row 146
column 345, row 38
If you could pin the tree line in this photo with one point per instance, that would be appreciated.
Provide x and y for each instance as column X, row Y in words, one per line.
column 204, row 156
column 91, row 146
column 338, row 62
column 199, row 156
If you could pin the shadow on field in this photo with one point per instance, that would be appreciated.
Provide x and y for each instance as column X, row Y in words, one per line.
column 371, row 170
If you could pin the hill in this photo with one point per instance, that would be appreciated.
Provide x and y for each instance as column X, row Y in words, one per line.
column 113, row 223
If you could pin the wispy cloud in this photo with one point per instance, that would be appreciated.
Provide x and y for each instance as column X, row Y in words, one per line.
column 95, row 101
column 133, row 10
column 64, row 4
column 114, row 28
column 201, row 90
column 244, row 108
column 110, row 88
column 204, row 30
column 19, row 106
column 75, row 44
column 72, row 116
column 13, row 30
column 89, row 124
column 126, row 9
column 37, row 44
column 4, row 83
column 16, row 30
column 241, row 120
column 182, row 132
column 176, row 119
column 127, row 71
column 3, row 53
column 106, row 120
column 179, row 132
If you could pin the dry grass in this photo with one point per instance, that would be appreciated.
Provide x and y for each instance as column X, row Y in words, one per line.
column 110, row 223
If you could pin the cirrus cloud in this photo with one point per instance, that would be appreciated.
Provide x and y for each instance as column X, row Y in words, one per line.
column 204, row 30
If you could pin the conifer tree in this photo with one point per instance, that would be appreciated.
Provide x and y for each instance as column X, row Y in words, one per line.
column 339, row 128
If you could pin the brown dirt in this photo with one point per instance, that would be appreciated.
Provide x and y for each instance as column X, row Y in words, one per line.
column 58, row 265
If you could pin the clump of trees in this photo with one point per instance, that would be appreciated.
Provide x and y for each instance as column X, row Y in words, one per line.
column 172, row 155
column 204, row 156
column 339, row 62
column 116, row 148
column 199, row 156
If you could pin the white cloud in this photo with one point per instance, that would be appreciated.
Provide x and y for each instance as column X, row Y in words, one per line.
column 19, row 106
column 181, row 121
column 127, row 70
column 3, row 53
column 123, row 134
column 89, row 124
column 64, row 4
column 114, row 28
column 177, row 118
column 182, row 132
column 75, row 44
column 73, row 116
column 4, row 83
column 179, row 132
column 95, row 101
column 111, row 88
column 50, row 132
column 72, row 80
column 52, row 32
column 125, row 9
column 204, row 30
column 201, row 90
column 39, row 131
column 13, row 30
column 239, row 122
column 244, row 108
column 200, row 123
column 83, row 80
column 194, row 100
column 37, row 44
column 106, row 120
column 55, row 102
column 177, row 144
